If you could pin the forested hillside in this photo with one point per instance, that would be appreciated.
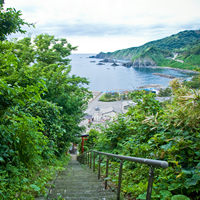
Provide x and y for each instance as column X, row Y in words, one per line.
column 183, row 43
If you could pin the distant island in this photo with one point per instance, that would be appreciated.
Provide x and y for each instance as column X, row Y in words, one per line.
column 181, row 50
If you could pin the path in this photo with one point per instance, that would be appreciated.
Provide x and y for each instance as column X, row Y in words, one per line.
column 174, row 58
column 78, row 182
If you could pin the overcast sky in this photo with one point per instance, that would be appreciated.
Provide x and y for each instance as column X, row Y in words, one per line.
column 108, row 25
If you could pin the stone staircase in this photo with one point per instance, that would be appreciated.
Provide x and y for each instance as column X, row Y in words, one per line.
column 78, row 182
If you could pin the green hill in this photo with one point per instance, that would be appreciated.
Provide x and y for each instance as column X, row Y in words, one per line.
column 153, row 56
column 159, row 52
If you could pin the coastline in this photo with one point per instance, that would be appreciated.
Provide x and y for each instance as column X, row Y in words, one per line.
column 176, row 69
column 107, row 78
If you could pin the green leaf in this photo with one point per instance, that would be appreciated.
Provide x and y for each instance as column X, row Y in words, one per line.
column 197, row 153
column 166, row 146
column 196, row 177
column 35, row 187
column 180, row 197
column 174, row 186
column 142, row 196
column 192, row 181
column 1, row 194
column 198, row 165
column 190, row 171
column 165, row 194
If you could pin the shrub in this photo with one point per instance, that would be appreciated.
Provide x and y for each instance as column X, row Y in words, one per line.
column 194, row 83
column 165, row 92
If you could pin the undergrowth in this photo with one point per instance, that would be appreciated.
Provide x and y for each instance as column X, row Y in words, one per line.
column 22, row 183
column 168, row 132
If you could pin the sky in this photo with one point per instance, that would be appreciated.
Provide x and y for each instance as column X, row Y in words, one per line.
column 108, row 25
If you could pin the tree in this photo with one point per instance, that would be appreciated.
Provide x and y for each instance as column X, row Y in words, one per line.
column 41, row 105
column 44, row 62
column 10, row 22
column 47, row 56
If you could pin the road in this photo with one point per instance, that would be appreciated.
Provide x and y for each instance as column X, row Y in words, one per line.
column 174, row 58
column 103, row 106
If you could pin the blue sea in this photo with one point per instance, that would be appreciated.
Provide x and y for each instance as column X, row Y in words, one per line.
column 110, row 78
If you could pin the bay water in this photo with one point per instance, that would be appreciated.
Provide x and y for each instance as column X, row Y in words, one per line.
column 109, row 78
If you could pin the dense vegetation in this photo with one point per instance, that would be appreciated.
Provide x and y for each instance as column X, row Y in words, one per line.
column 155, row 54
column 194, row 83
column 165, row 92
column 186, row 43
column 41, row 106
column 152, row 130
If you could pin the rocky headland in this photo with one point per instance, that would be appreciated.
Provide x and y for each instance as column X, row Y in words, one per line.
column 181, row 50
column 144, row 62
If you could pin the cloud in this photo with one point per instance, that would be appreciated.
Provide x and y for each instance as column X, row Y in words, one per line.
column 136, row 34
column 119, row 23
column 106, row 30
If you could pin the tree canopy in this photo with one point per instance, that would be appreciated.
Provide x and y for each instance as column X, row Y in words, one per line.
column 10, row 22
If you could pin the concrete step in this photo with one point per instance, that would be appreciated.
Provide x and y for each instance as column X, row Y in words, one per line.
column 84, row 194
column 85, row 198
column 80, row 176
column 83, row 186
column 79, row 183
